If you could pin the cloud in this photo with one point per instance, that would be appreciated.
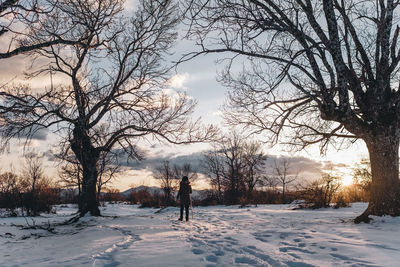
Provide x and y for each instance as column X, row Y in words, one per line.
column 302, row 166
column 31, row 144
column 131, row 5
column 152, row 163
column 330, row 165
column 298, row 165
column 178, row 81
column 33, row 134
column 40, row 134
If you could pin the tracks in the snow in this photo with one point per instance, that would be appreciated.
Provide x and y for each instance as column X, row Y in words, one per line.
column 107, row 257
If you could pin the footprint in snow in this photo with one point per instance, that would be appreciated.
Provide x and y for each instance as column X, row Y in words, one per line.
column 245, row 260
column 298, row 264
column 212, row 258
column 197, row 251
column 219, row 253
column 196, row 242
column 283, row 235
column 229, row 248
column 295, row 256
column 286, row 249
column 254, row 251
column 263, row 237
column 357, row 262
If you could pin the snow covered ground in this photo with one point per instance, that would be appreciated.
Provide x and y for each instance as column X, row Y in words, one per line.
column 267, row 235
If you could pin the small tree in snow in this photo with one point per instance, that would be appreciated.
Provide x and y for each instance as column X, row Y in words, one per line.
column 284, row 175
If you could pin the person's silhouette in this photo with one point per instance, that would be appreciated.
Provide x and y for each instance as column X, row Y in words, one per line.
column 184, row 196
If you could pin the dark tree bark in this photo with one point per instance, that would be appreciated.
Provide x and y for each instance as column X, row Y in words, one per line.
column 385, row 187
column 88, row 157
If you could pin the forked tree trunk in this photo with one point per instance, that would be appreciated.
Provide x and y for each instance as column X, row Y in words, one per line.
column 385, row 187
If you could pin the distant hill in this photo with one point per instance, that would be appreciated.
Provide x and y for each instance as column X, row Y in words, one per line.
column 151, row 189
column 196, row 194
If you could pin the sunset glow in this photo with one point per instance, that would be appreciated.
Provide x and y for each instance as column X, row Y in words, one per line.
column 347, row 180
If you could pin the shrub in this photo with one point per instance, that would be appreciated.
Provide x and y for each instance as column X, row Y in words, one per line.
column 145, row 199
column 111, row 195
column 320, row 193
column 150, row 202
column 341, row 201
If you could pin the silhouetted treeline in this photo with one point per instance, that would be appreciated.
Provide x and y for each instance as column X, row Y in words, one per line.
column 31, row 192
column 29, row 196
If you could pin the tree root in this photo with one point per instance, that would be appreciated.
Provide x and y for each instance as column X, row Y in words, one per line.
column 372, row 209
column 362, row 218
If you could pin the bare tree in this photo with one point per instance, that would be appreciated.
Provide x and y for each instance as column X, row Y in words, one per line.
column 231, row 149
column 314, row 72
column 320, row 193
column 114, row 95
column 11, row 189
column 254, row 160
column 185, row 170
column 70, row 174
column 168, row 180
column 234, row 166
column 8, row 182
column 213, row 166
column 33, row 176
column 19, row 18
column 108, row 168
column 284, row 175
column 362, row 174
column 270, row 182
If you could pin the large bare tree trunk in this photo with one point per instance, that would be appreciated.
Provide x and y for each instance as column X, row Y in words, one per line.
column 88, row 200
column 88, row 157
column 385, row 187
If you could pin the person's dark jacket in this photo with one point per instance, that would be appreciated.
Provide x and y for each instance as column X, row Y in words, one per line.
column 184, row 193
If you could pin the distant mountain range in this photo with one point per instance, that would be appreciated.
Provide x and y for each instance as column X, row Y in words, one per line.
column 151, row 189
column 196, row 194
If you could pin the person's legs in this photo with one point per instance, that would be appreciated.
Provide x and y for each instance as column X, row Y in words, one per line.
column 187, row 212
column 181, row 217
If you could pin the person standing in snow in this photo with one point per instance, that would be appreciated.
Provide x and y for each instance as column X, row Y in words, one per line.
column 184, row 195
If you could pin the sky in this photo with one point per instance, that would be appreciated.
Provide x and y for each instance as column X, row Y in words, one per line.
column 197, row 78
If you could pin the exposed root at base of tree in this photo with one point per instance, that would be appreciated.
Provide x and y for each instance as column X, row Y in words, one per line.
column 72, row 220
column 92, row 213
column 373, row 211
column 363, row 218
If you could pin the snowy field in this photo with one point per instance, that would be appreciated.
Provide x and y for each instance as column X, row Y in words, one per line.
column 267, row 235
